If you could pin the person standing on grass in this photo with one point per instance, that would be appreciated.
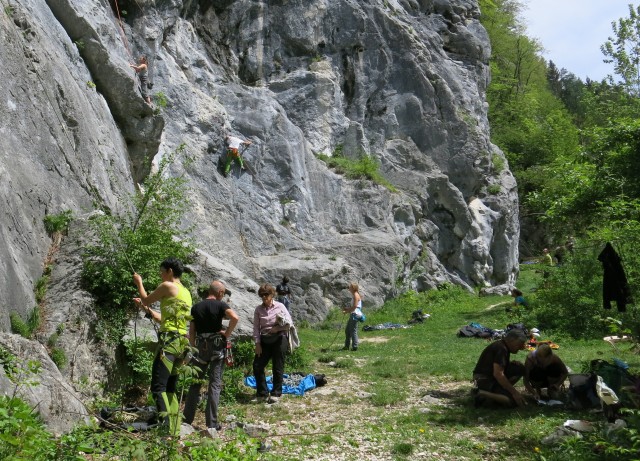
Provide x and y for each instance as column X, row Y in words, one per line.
column 355, row 314
column 175, row 303
column 208, row 336
column 495, row 374
column 284, row 292
column 271, row 321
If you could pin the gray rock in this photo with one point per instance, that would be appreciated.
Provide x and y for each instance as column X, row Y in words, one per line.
column 404, row 84
column 38, row 382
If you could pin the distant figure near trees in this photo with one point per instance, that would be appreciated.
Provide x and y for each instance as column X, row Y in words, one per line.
column 547, row 259
column 142, row 69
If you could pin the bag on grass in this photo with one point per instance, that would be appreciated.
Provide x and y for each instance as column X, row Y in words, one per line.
column 582, row 391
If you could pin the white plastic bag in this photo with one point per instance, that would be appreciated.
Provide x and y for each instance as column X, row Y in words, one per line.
column 605, row 393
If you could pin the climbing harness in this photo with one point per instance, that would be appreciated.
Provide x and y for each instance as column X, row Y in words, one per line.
column 228, row 354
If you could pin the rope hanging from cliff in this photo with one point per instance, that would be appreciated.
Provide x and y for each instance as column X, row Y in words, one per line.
column 122, row 32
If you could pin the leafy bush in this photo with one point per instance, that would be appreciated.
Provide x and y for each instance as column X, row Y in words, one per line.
column 9, row 362
column 232, row 387
column 139, row 359
column 494, row 189
column 22, row 433
column 58, row 222
column 139, row 239
column 366, row 167
column 28, row 328
column 19, row 326
column 160, row 99
column 243, row 353
column 58, row 357
column 40, row 289
column 570, row 298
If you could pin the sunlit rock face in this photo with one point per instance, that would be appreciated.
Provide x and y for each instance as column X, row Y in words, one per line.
column 401, row 83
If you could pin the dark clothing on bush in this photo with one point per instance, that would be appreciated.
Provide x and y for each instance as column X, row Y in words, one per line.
column 614, row 281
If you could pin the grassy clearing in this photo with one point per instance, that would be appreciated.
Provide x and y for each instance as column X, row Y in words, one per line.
column 405, row 393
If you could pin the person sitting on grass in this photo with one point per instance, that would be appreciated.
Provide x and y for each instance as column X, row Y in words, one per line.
column 518, row 300
column 544, row 370
column 495, row 375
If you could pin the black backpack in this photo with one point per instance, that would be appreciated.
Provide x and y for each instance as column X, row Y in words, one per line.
column 582, row 391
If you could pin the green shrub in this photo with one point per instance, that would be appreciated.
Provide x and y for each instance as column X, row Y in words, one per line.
column 58, row 222
column 345, row 363
column 35, row 320
column 28, row 328
column 243, row 353
column 402, row 449
column 139, row 360
column 58, row 357
column 494, row 189
column 364, row 167
column 9, row 363
column 298, row 360
column 160, row 99
column 139, row 239
column 574, row 287
column 19, row 326
column 498, row 163
column 232, row 387
column 40, row 289
column 22, row 433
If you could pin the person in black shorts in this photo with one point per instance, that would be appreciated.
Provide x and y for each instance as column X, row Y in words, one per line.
column 208, row 335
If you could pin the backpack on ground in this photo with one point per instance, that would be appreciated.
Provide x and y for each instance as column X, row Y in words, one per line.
column 582, row 391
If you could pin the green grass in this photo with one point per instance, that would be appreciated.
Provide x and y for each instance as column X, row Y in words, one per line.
column 364, row 167
column 399, row 367
column 377, row 399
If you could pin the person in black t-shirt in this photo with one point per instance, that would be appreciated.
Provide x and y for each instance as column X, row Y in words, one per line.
column 208, row 335
column 284, row 292
column 495, row 374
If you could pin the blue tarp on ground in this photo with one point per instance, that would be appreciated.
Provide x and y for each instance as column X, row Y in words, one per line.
column 306, row 384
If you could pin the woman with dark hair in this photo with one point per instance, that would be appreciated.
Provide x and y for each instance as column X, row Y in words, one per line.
column 271, row 322
column 175, row 307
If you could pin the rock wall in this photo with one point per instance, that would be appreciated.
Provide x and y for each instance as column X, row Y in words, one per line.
column 400, row 81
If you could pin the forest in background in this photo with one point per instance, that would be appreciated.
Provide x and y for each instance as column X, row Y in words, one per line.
column 573, row 147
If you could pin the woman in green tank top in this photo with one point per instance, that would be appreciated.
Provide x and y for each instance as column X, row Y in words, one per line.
column 175, row 309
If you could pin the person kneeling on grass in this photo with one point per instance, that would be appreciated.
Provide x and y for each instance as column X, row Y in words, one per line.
column 495, row 375
column 543, row 369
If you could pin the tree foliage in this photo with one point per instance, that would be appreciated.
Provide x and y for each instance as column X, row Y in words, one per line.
column 623, row 50
column 139, row 239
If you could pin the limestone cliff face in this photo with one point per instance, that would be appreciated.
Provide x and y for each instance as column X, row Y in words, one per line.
column 400, row 80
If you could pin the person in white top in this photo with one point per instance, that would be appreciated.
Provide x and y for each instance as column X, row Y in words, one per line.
column 233, row 152
column 355, row 313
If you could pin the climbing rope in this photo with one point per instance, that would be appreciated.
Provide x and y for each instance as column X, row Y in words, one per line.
column 122, row 32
